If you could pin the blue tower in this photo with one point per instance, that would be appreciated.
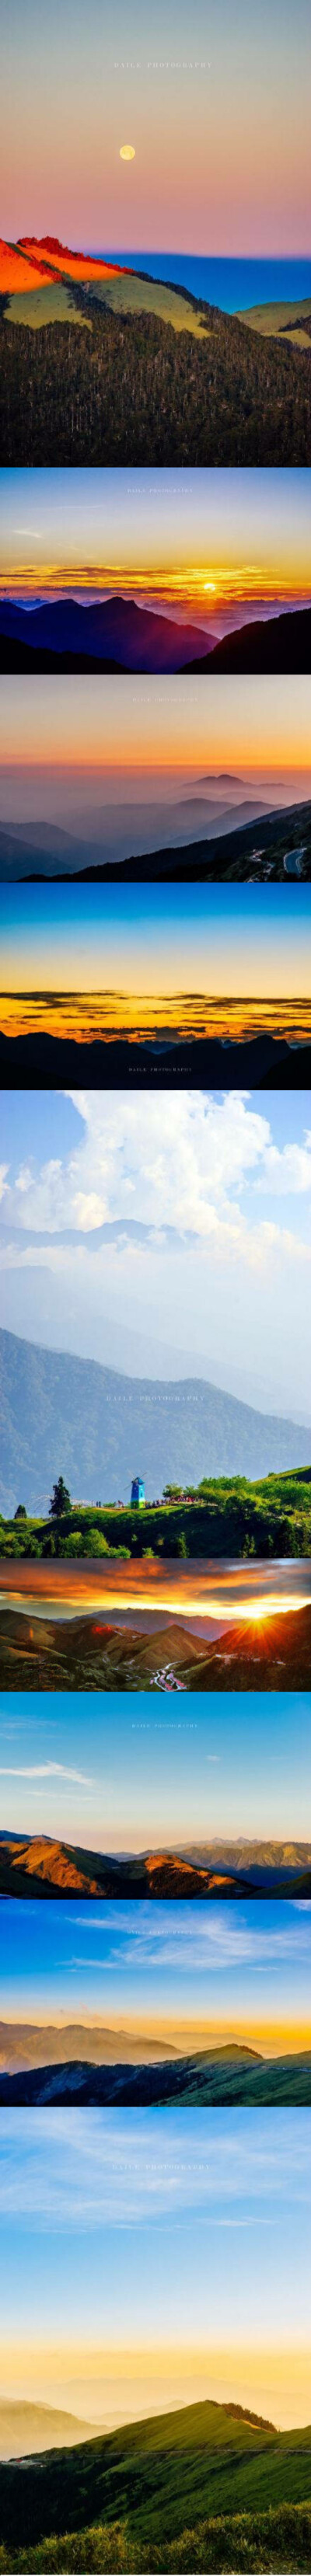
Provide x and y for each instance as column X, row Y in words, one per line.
column 138, row 1494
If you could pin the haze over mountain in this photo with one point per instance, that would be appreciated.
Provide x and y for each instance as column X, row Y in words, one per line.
column 96, row 1419
column 104, row 835
column 26, row 2426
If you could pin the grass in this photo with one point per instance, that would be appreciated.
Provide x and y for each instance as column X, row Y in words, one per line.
column 162, row 2478
column 224, row 1515
column 243, row 2542
column 119, row 295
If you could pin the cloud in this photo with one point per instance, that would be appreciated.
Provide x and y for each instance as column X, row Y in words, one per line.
column 65, row 2171
column 168, row 1160
column 287, row 1173
column 44, row 1771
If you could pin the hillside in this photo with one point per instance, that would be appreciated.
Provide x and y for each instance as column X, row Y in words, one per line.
column 281, row 643
column 34, row 1865
column 160, row 2474
column 283, row 321
column 86, row 1654
column 117, row 370
column 232, row 2079
column 95, row 1423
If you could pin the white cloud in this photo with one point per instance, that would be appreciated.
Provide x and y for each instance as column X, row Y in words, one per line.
column 287, row 1174
column 174, row 1159
column 43, row 1771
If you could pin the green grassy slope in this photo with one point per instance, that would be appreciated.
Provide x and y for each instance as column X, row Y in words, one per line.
column 162, row 2474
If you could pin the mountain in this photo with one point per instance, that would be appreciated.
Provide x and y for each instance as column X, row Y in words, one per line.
column 233, row 2077
column 277, row 644
column 281, row 321
column 160, row 2476
column 98, row 1422
column 34, row 1865
column 27, row 2427
column 45, row 1062
column 115, row 631
column 85, row 1653
column 278, row 844
column 112, row 833
column 272, row 1655
column 121, row 369
column 25, row 2046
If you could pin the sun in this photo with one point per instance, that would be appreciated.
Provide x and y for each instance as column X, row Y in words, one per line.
column 127, row 151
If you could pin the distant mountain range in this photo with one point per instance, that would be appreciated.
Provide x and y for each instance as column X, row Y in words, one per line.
column 245, row 843
column 83, row 1653
column 34, row 1865
column 98, row 1421
column 116, row 634
column 102, row 836
column 231, row 2076
column 41, row 1060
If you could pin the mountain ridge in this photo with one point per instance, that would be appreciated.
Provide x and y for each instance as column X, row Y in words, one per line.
column 40, row 1866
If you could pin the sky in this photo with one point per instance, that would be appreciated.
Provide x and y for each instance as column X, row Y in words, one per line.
column 163, row 1234
column 192, row 1976
column 103, row 1772
column 95, row 2215
column 205, row 1593
column 209, row 546
column 217, row 116
column 76, row 725
column 160, row 942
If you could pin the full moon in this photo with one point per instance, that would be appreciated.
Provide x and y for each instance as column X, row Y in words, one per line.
column 127, row 151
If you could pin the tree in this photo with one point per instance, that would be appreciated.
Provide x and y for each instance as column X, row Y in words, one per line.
column 21, row 1514
column 60, row 1500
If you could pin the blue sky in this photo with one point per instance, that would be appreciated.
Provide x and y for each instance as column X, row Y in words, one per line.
column 164, row 1234
column 210, row 940
column 116, row 1777
column 148, row 2227
column 241, row 1972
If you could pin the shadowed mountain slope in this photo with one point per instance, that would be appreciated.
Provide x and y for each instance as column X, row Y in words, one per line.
column 278, row 644
column 233, row 2077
